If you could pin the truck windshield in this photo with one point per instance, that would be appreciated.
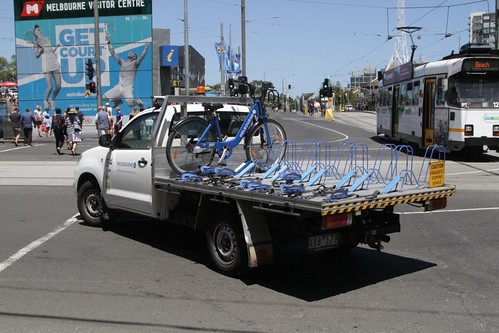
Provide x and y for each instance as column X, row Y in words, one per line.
column 473, row 91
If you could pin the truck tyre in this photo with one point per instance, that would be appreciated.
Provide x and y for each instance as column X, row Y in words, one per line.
column 226, row 246
column 90, row 204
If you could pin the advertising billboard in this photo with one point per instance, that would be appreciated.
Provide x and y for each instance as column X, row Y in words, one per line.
column 55, row 49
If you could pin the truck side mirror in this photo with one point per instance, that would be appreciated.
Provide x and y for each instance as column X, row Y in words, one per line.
column 105, row 140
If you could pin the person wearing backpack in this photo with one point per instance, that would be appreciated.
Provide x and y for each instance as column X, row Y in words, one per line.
column 58, row 127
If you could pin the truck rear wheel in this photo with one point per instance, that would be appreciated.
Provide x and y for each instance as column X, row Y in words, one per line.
column 90, row 204
column 226, row 246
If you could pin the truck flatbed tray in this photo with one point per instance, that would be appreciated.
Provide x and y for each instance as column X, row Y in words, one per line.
column 315, row 198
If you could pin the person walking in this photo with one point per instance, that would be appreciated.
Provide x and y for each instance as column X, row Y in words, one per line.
column 73, row 128
column 39, row 119
column 15, row 122
column 47, row 120
column 28, row 121
column 58, row 128
column 102, row 121
column 135, row 111
column 109, row 110
column 119, row 120
column 80, row 116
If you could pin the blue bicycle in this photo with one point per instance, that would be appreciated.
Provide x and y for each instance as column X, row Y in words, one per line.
column 193, row 141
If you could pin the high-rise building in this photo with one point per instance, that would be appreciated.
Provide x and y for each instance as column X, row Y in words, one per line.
column 483, row 28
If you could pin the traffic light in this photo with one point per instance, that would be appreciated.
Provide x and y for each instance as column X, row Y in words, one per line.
column 231, row 84
column 91, row 87
column 321, row 93
column 89, row 69
column 325, row 84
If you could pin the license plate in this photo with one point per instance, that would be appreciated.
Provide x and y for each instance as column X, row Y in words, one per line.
column 323, row 241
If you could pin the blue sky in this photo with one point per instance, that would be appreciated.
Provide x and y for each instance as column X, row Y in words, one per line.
column 309, row 40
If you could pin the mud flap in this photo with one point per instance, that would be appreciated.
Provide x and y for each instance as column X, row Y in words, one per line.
column 256, row 234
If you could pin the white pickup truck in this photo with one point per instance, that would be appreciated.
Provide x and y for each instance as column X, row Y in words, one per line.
column 328, row 202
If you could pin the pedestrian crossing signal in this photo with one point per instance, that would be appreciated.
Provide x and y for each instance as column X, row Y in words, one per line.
column 91, row 87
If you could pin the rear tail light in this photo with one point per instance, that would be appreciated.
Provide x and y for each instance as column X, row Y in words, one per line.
column 495, row 130
column 468, row 130
column 337, row 221
column 435, row 204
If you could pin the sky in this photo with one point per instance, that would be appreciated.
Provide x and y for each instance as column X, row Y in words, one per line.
column 301, row 42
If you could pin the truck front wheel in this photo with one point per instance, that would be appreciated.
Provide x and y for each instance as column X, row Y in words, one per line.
column 90, row 204
column 226, row 246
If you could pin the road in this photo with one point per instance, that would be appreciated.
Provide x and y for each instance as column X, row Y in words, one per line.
column 58, row 275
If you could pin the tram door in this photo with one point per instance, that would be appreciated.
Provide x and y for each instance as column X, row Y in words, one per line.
column 395, row 113
column 429, row 112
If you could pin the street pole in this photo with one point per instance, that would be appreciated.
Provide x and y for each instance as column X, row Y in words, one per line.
column 97, row 52
column 187, row 75
column 243, row 37
column 222, row 51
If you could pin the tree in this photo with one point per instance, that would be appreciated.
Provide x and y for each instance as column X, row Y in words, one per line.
column 8, row 70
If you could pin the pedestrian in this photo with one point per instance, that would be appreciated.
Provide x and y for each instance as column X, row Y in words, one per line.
column 58, row 127
column 27, row 122
column 102, row 121
column 15, row 122
column 47, row 120
column 73, row 128
column 39, row 119
column 80, row 116
column 109, row 111
column 119, row 120
column 135, row 111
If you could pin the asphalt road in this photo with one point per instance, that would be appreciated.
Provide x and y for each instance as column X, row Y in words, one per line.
column 59, row 275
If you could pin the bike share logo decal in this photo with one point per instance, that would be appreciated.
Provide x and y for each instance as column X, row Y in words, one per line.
column 245, row 128
column 131, row 165
column 491, row 117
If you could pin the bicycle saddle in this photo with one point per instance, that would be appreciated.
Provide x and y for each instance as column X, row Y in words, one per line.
column 212, row 106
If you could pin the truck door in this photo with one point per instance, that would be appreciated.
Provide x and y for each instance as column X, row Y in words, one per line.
column 129, row 172
column 429, row 112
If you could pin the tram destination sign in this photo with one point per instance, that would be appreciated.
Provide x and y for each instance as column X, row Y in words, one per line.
column 480, row 65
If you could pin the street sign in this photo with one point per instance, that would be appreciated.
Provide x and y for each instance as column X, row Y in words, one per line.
column 437, row 173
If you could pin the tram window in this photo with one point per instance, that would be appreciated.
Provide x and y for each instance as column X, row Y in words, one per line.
column 416, row 88
column 409, row 94
column 403, row 95
column 452, row 94
column 440, row 92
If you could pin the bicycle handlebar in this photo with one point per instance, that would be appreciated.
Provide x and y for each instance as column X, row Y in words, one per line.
column 267, row 90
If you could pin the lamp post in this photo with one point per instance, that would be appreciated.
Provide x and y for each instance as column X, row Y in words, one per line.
column 187, row 75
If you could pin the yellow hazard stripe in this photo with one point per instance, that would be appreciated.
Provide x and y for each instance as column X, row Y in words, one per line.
column 384, row 202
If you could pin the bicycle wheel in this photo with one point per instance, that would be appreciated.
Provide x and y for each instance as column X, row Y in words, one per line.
column 181, row 151
column 259, row 150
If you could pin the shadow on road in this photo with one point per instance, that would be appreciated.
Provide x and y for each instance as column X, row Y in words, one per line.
column 295, row 273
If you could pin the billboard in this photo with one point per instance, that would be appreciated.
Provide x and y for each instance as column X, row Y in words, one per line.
column 56, row 39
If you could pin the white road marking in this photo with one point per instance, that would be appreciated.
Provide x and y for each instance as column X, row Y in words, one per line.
column 450, row 211
column 470, row 172
column 327, row 129
column 22, row 252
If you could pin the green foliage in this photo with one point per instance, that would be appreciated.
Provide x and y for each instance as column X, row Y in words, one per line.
column 8, row 69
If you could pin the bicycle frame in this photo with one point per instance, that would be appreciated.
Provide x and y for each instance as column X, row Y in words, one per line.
column 224, row 148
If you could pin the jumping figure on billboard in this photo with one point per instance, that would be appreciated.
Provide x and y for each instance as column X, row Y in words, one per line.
column 51, row 68
column 128, row 70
